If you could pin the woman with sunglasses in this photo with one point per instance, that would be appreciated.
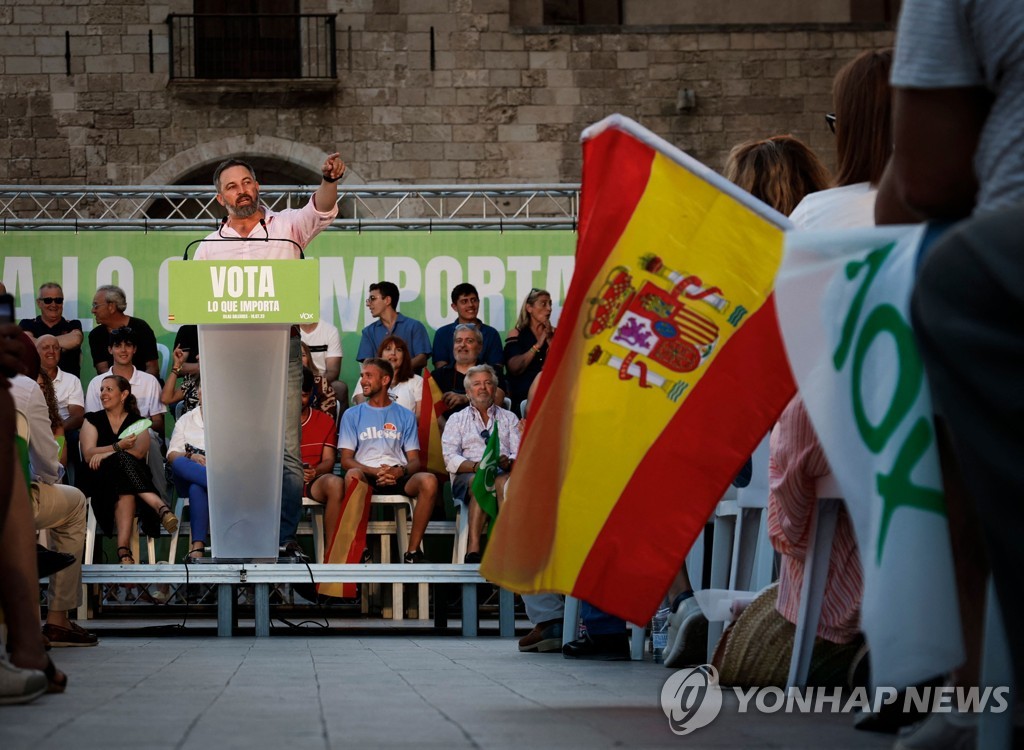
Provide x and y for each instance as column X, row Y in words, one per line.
column 526, row 346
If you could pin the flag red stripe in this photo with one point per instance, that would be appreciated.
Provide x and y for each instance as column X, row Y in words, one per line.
column 522, row 539
column 670, row 496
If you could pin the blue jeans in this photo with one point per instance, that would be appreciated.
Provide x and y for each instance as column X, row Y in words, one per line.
column 291, row 484
column 600, row 623
column 190, row 481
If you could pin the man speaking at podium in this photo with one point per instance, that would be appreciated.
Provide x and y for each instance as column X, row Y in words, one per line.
column 252, row 231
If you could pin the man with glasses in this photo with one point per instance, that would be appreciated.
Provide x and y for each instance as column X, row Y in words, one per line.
column 382, row 303
column 51, row 321
column 467, row 345
column 108, row 307
column 464, row 440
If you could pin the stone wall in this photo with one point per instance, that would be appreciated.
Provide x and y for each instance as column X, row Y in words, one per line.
column 502, row 103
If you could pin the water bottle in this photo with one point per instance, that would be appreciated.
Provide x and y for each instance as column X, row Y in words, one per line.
column 659, row 633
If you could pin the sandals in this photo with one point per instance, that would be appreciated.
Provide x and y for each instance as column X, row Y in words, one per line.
column 57, row 681
column 125, row 556
column 168, row 520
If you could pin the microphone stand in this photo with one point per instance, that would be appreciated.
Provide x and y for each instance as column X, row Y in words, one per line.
column 222, row 238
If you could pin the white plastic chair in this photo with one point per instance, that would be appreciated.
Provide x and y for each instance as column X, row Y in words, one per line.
column 812, row 593
column 403, row 506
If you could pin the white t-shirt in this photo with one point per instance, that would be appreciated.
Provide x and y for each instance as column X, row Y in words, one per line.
column 407, row 393
column 847, row 207
column 323, row 342
column 145, row 388
column 68, row 390
column 189, row 429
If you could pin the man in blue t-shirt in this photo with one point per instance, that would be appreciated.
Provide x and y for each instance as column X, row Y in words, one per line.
column 383, row 305
column 466, row 304
column 379, row 444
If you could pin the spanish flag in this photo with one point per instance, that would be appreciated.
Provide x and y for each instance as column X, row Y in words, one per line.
column 347, row 540
column 432, row 406
column 666, row 371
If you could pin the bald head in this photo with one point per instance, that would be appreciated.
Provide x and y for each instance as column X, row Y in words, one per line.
column 49, row 352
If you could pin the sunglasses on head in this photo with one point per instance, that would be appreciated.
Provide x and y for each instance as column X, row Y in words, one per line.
column 52, row 300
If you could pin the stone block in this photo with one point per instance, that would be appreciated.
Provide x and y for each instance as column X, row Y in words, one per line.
column 463, row 151
column 505, row 78
column 22, row 65
column 513, row 133
column 27, row 15
column 628, row 60
column 418, row 151
column 459, row 115
column 544, row 114
column 556, row 59
column 555, row 96
column 713, row 41
column 769, row 40
column 431, row 133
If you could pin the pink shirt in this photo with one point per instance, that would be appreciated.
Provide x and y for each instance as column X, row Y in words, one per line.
column 299, row 225
column 797, row 460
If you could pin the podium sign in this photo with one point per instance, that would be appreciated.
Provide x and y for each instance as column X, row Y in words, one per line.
column 249, row 291
column 245, row 310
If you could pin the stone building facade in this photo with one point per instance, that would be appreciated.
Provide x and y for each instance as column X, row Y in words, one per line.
column 426, row 91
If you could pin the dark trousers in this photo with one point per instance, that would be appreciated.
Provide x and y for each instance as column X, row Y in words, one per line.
column 967, row 309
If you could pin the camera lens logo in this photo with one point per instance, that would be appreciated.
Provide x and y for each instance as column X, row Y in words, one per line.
column 691, row 698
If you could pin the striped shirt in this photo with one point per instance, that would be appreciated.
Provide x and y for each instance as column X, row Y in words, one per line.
column 797, row 460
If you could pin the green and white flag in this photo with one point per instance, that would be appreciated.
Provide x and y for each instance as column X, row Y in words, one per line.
column 483, row 482
column 843, row 300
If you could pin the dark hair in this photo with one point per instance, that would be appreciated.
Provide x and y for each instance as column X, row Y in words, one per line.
column 30, row 362
column 387, row 289
column 119, row 335
column 863, row 102
column 381, row 364
column 461, row 290
column 780, row 171
column 46, row 385
column 307, row 380
column 130, row 404
column 405, row 369
column 228, row 164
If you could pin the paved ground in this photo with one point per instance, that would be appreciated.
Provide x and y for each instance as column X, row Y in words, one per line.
column 366, row 688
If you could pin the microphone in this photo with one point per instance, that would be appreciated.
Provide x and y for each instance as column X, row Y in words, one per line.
column 222, row 238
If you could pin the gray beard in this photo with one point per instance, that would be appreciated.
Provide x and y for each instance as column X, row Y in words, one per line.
column 244, row 212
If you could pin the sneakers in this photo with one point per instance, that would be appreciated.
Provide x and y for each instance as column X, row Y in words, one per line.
column 415, row 557
column 20, row 685
column 472, row 558
column 292, row 551
column 545, row 638
column 73, row 636
column 603, row 647
column 687, row 636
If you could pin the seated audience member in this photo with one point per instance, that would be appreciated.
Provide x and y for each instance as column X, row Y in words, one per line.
column 324, row 344
column 28, row 672
column 466, row 304
column 119, row 470
column 780, row 171
column 463, row 441
column 383, row 305
column 380, row 445
column 180, row 388
column 467, row 341
column 51, row 322
column 58, row 508
column 526, row 346
column 319, row 454
column 186, row 455
column 108, row 306
column 323, row 397
column 407, row 387
column 66, row 387
column 146, row 392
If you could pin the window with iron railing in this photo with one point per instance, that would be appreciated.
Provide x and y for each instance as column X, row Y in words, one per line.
column 219, row 42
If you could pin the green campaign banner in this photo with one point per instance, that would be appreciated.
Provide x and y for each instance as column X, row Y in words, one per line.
column 268, row 291
column 504, row 267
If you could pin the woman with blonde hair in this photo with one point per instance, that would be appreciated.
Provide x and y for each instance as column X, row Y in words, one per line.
column 779, row 171
column 527, row 344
